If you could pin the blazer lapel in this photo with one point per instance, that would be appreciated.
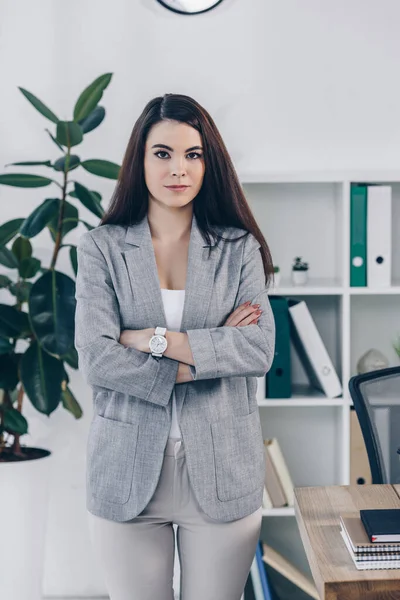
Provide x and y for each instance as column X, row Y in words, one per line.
column 143, row 274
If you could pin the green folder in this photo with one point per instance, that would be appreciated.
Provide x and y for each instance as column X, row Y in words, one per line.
column 278, row 383
column 358, row 235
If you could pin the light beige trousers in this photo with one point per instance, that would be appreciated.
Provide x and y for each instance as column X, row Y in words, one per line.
column 137, row 556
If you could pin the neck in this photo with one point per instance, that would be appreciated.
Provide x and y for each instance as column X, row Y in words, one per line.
column 170, row 225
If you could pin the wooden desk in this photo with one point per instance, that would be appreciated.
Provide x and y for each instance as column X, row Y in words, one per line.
column 317, row 512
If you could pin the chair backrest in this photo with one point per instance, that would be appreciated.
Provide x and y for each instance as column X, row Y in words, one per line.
column 376, row 399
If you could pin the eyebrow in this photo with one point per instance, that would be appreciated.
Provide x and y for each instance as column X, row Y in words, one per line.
column 169, row 147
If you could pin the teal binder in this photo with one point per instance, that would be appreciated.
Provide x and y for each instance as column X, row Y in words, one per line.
column 278, row 383
column 358, row 235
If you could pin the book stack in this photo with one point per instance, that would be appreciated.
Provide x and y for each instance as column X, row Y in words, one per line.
column 370, row 235
column 294, row 323
column 372, row 538
column 278, row 485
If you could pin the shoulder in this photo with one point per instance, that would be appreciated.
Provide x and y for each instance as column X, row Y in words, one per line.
column 244, row 241
column 101, row 236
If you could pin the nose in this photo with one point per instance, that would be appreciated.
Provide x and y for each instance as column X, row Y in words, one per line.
column 178, row 168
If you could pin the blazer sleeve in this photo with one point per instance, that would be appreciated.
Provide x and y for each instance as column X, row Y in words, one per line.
column 103, row 360
column 238, row 351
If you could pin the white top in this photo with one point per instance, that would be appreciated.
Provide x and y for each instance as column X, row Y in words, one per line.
column 173, row 307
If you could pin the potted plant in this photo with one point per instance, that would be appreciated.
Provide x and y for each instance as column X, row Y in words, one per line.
column 41, row 321
column 299, row 271
column 277, row 276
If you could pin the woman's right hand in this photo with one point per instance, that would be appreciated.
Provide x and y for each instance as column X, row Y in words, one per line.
column 245, row 314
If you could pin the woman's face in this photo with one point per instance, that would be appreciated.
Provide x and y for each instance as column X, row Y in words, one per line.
column 173, row 156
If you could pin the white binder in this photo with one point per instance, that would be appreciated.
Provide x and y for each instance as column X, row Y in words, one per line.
column 379, row 236
column 312, row 350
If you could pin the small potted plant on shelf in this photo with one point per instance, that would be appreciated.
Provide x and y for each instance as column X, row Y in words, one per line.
column 277, row 276
column 299, row 271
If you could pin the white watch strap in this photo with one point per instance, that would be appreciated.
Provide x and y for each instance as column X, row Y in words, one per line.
column 160, row 331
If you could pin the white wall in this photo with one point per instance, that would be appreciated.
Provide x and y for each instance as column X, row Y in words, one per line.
column 291, row 84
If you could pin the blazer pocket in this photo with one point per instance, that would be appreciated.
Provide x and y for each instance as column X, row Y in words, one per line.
column 238, row 456
column 111, row 451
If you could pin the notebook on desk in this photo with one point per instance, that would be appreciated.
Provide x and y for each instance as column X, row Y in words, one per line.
column 358, row 537
column 382, row 524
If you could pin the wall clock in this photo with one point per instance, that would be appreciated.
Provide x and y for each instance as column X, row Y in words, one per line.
column 189, row 7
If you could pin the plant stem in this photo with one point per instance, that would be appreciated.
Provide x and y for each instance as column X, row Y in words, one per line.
column 61, row 212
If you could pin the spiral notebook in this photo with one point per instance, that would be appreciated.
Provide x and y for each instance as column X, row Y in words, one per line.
column 362, row 565
column 359, row 541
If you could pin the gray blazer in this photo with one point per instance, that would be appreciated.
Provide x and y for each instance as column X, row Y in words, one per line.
column 117, row 287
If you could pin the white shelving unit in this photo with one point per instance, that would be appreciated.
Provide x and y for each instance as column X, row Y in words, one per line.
column 308, row 215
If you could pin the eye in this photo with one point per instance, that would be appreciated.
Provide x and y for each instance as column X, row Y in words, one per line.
column 164, row 152
column 160, row 152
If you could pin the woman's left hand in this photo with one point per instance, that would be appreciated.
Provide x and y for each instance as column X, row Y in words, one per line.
column 136, row 338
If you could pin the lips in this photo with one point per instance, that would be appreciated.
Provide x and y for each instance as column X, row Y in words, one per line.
column 177, row 187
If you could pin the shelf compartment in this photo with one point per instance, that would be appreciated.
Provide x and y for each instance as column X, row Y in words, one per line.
column 374, row 323
column 302, row 219
column 314, row 430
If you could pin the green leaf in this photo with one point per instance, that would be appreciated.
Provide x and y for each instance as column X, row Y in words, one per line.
column 5, row 346
column 69, row 133
column 70, row 221
column 52, row 310
column 5, row 281
column 28, row 267
column 30, row 163
column 90, row 97
column 21, row 248
column 42, row 376
column 88, row 225
column 74, row 259
column 71, row 404
column 103, row 168
column 24, row 180
column 14, row 422
column 94, row 193
column 39, row 218
column 93, row 120
column 71, row 358
column 8, row 371
column 61, row 163
column 14, row 323
column 38, row 104
column 21, row 290
column 88, row 199
column 7, row 258
column 9, row 229
column 54, row 140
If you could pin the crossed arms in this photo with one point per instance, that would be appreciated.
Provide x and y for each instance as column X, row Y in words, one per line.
column 227, row 351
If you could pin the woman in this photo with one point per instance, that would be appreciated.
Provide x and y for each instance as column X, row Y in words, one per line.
column 168, row 340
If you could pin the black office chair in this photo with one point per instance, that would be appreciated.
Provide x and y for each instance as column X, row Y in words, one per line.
column 376, row 399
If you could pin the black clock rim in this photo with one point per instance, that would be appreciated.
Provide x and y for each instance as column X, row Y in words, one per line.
column 181, row 12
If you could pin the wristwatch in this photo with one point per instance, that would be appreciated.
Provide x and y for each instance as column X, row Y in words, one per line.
column 158, row 342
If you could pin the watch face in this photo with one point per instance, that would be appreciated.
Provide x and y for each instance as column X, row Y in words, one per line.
column 158, row 343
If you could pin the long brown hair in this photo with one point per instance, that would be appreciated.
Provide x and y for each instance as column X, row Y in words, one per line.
column 220, row 201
